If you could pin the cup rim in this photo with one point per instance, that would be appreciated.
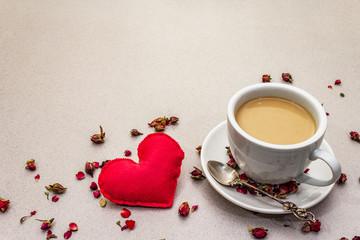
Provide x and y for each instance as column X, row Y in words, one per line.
column 321, row 127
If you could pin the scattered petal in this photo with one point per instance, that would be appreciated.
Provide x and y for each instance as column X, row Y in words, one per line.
column 241, row 189
column 73, row 226
column 127, row 153
column 103, row 202
column 97, row 194
column 93, row 186
column 68, row 234
column 55, row 198
column 184, row 209
column 337, row 82
column 307, row 170
column 125, row 213
column 315, row 227
column 80, row 175
column 33, row 213
column 124, row 227
column 130, row 224
column 37, row 177
column 194, row 208
column 258, row 232
column 96, row 164
column 330, row 87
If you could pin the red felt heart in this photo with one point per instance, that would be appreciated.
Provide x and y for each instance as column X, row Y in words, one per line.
column 152, row 181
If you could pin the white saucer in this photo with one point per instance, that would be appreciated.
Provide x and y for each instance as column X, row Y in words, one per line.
column 307, row 196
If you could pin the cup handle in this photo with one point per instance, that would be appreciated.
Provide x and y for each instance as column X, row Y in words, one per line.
column 330, row 160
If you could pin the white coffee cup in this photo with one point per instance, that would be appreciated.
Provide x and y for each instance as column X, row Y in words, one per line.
column 274, row 163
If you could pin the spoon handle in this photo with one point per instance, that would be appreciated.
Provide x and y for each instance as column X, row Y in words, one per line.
column 300, row 213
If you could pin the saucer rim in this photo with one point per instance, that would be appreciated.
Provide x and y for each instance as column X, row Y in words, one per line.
column 219, row 188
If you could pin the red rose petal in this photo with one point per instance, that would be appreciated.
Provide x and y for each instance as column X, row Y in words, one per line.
column 37, row 177
column 93, row 186
column 241, row 189
column 125, row 213
column 307, row 170
column 33, row 213
column 130, row 224
column 73, row 226
column 68, row 234
column 55, row 198
column 49, row 233
column 330, row 87
column 97, row 194
column 80, row 175
column 96, row 164
column 193, row 208
column 338, row 82
column 127, row 153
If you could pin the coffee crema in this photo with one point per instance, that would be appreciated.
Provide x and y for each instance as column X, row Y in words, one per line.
column 276, row 120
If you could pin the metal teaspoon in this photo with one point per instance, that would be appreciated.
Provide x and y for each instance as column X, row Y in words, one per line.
column 227, row 176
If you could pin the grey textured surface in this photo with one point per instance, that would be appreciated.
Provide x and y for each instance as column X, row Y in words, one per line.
column 68, row 66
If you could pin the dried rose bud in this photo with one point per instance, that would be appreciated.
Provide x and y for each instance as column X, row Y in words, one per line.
column 159, row 127
column 266, row 78
column 342, row 179
column 231, row 163
column 287, row 77
column 67, row 234
column 343, row 238
column 96, row 194
column 80, row 175
column 125, row 213
column 315, row 227
column 134, row 132
column 37, row 177
column 93, row 186
column 184, row 209
column 55, row 198
column 258, row 232
column 174, row 120
column 354, row 136
column 194, row 208
column 73, row 226
column 98, row 138
column 127, row 153
column 50, row 235
column 252, row 191
column 30, row 164
column 89, row 168
column 56, row 188
column 356, row 238
column 130, row 224
column 104, row 163
column 330, row 87
column 46, row 224
column 337, row 82
column 199, row 149
column 196, row 174
column 159, row 120
column 306, row 227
